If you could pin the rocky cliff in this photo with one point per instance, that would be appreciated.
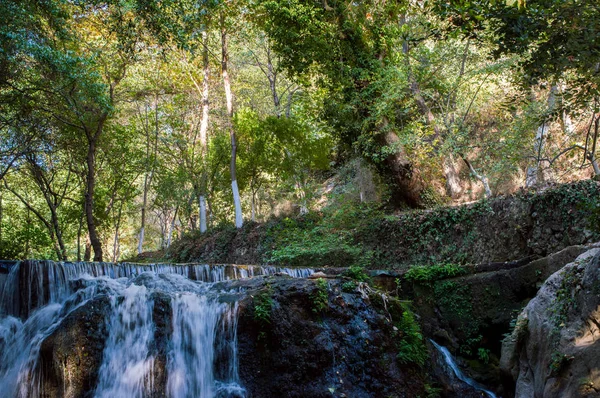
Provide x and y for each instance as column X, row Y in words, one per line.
column 554, row 350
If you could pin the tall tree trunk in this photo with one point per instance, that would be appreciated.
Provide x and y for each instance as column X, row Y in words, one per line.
column 140, row 247
column 534, row 172
column 229, row 98
column 87, row 253
column 204, row 133
column 172, row 227
column 253, row 201
column 481, row 177
column 116, row 245
column 89, row 199
column 272, row 76
column 406, row 180
column 141, row 236
column 79, row 230
column 149, row 174
column 449, row 167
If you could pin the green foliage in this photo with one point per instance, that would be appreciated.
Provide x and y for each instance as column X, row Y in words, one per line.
column 565, row 301
column 349, row 286
column 455, row 301
column 313, row 248
column 484, row 355
column 315, row 82
column 411, row 347
column 357, row 273
column 426, row 274
column 592, row 205
column 323, row 239
column 432, row 392
column 519, row 328
column 320, row 297
column 263, row 307
column 558, row 362
column 548, row 50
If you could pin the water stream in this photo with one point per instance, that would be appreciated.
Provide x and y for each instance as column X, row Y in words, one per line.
column 458, row 373
column 201, row 354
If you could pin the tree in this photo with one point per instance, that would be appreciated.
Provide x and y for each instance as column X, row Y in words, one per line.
column 346, row 45
column 239, row 221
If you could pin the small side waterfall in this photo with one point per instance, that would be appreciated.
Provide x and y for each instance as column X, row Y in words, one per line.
column 458, row 373
column 196, row 355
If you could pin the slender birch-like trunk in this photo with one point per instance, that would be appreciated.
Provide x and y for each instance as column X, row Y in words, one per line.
column 204, row 134
column 534, row 175
column 229, row 99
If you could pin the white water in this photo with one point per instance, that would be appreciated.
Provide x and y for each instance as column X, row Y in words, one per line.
column 126, row 369
column 195, row 320
column 458, row 373
column 201, row 354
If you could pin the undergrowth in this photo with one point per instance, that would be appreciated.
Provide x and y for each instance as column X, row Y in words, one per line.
column 426, row 274
column 263, row 306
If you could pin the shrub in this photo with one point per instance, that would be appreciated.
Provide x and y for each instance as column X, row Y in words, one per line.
column 411, row 347
column 426, row 274
column 320, row 297
column 263, row 306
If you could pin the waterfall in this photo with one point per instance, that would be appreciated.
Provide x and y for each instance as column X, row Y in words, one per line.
column 32, row 284
column 195, row 325
column 457, row 372
column 126, row 369
column 197, row 356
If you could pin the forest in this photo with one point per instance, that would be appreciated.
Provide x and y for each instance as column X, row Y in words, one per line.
column 127, row 124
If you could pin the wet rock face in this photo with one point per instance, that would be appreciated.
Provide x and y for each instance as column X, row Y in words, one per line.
column 554, row 350
column 71, row 356
column 345, row 349
column 345, row 346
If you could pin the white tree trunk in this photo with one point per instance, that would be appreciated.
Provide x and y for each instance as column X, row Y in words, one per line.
column 453, row 187
column 204, row 134
column 116, row 247
column 171, row 228
column 141, row 240
column 569, row 127
column 533, row 172
column 238, row 205
column 229, row 100
column 253, row 207
column 481, row 177
column 202, row 205
column 596, row 168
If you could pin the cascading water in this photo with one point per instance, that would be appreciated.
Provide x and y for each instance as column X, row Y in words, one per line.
column 127, row 365
column 458, row 373
column 199, row 359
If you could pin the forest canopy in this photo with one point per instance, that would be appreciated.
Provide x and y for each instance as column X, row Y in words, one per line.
column 125, row 124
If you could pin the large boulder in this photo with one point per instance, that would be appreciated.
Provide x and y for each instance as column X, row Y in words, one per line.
column 70, row 357
column 554, row 350
column 319, row 341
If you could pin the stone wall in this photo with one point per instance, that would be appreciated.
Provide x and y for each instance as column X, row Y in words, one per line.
column 532, row 224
